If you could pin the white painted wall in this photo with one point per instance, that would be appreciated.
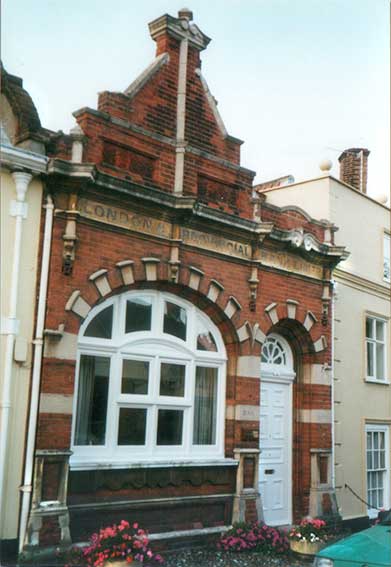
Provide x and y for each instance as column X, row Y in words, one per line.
column 361, row 221
column 9, row 509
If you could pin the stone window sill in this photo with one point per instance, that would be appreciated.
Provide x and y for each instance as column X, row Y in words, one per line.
column 381, row 382
column 83, row 465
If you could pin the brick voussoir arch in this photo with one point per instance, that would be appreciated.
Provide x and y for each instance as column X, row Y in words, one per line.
column 290, row 308
column 228, row 309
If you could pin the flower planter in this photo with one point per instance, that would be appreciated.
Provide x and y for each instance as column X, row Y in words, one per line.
column 123, row 563
column 306, row 547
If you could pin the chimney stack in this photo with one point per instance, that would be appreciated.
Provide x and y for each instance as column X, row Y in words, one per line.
column 354, row 168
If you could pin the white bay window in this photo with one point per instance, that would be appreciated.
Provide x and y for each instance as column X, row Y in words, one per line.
column 150, row 383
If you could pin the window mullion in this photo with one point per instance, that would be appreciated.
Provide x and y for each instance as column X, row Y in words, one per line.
column 192, row 371
column 150, row 438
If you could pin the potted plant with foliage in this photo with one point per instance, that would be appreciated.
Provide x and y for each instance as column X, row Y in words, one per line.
column 309, row 536
column 114, row 546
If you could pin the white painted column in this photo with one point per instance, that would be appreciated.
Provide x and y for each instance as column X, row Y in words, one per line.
column 77, row 144
column 19, row 211
column 181, row 117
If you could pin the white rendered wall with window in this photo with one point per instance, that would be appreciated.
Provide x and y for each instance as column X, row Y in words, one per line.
column 362, row 390
column 150, row 383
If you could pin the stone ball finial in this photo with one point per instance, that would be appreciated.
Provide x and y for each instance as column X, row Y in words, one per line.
column 185, row 14
column 76, row 132
column 325, row 165
column 382, row 198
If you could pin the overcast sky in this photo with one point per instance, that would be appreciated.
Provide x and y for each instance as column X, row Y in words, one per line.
column 297, row 80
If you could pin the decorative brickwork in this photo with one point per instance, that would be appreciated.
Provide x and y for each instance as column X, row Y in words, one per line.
column 354, row 168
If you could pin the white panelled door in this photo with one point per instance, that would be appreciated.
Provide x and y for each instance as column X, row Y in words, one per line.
column 275, row 444
column 275, row 462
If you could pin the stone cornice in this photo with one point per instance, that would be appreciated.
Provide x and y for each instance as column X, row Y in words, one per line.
column 180, row 28
column 15, row 158
column 362, row 284
column 191, row 207
column 206, row 212
column 307, row 242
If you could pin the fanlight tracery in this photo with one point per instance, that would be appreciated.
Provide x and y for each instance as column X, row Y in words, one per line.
column 277, row 358
column 273, row 352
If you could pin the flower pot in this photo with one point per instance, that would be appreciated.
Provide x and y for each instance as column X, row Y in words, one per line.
column 306, row 547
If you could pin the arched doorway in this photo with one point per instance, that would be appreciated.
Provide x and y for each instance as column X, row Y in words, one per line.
column 275, row 464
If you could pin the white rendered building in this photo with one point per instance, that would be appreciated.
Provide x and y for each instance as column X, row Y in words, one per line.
column 362, row 332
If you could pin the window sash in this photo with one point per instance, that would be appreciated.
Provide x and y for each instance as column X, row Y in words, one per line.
column 377, row 467
column 375, row 342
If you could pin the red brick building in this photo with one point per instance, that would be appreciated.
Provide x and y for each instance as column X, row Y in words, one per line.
column 188, row 322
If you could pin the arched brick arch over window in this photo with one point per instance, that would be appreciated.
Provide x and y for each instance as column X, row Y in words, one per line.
column 224, row 309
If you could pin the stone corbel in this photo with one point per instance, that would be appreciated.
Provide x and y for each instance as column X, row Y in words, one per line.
column 253, row 285
column 256, row 202
column 69, row 236
column 55, row 334
column 174, row 263
column 253, row 280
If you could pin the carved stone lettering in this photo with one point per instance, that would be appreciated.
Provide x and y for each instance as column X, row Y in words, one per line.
column 125, row 219
column 291, row 263
column 215, row 243
column 147, row 225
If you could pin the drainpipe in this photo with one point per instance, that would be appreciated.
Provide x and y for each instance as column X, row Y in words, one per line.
column 26, row 489
column 19, row 211
column 333, row 290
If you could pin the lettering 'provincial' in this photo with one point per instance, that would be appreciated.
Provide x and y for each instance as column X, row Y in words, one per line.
column 215, row 243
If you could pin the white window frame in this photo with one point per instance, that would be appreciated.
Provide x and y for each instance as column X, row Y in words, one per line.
column 375, row 341
column 387, row 257
column 380, row 428
column 154, row 346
